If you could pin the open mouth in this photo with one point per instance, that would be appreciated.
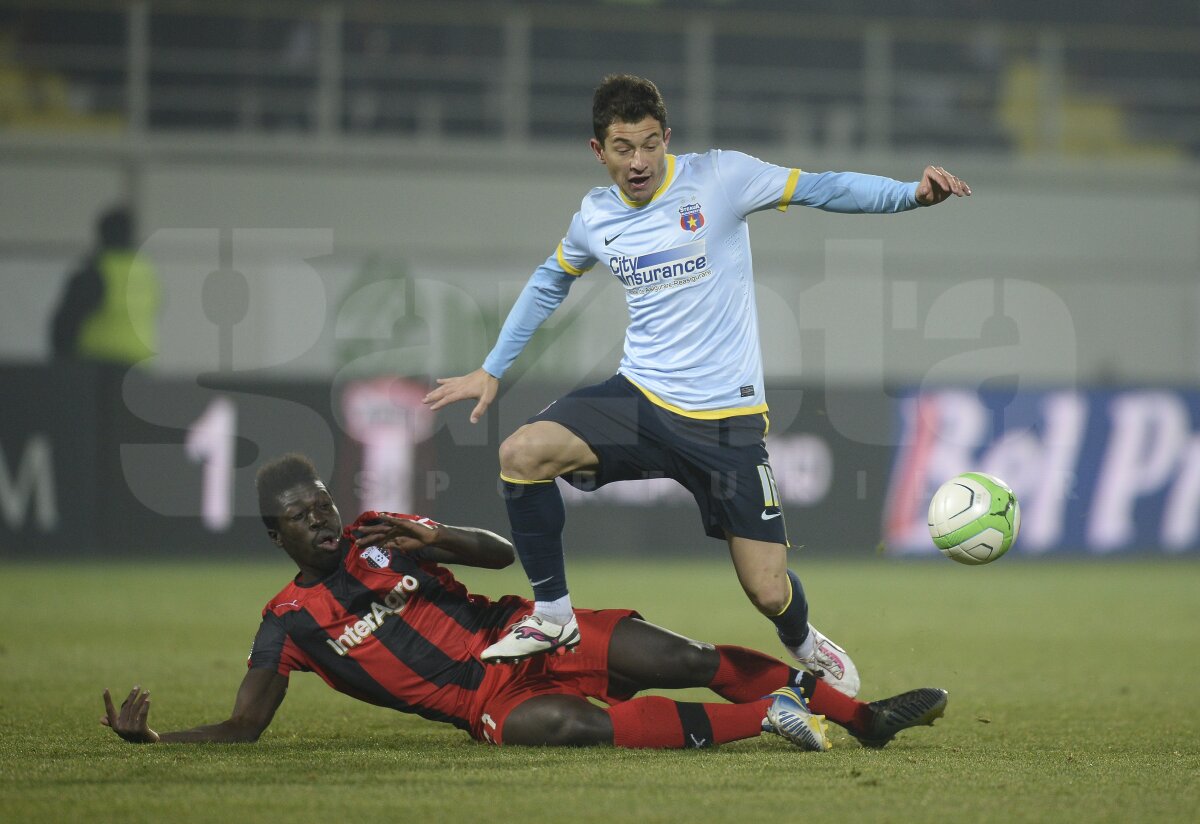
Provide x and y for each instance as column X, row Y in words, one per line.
column 328, row 543
column 639, row 182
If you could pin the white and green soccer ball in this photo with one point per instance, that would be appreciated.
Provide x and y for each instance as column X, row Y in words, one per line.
column 974, row 518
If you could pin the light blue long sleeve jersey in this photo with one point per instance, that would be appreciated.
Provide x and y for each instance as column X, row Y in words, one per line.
column 684, row 260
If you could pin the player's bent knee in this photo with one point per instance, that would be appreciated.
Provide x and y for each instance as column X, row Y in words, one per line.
column 581, row 729
column 558, row 721
column 525, row 456
column 699, row 660
column 770, row 599
column 541, row 451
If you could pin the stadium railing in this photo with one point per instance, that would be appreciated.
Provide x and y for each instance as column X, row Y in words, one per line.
column 520, row 72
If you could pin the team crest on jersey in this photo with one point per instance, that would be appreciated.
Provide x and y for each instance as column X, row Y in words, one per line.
column 690, row 217
column 377, row 557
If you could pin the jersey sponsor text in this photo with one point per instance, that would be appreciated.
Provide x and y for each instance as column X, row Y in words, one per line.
column 362, row 629
column 658, row 267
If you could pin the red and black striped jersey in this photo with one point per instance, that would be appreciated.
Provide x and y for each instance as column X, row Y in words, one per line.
column 388, row 628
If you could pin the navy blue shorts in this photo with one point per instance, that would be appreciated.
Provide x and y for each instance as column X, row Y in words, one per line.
column 722, row 462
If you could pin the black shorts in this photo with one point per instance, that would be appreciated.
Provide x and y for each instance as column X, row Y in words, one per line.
column 722, row 462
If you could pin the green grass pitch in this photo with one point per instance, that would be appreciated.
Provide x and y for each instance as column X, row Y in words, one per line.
column 1074, row 696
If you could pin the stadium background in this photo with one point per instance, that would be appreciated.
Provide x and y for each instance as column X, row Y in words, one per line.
column 343, row 199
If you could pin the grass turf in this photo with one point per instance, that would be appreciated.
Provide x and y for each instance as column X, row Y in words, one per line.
column 1074, row 695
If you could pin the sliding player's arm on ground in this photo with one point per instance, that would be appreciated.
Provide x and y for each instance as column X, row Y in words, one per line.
column 545, row 291
column 261, row 693
column 440, row 543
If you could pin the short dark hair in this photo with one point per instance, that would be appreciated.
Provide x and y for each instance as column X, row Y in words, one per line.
column 625, row 98
column 277, row 476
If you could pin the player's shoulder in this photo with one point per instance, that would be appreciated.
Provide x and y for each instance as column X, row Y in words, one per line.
column 698, row 161
column 694, row 160
column 732, row 159
column 713, row 164
column 598, row 200
column 289, row 599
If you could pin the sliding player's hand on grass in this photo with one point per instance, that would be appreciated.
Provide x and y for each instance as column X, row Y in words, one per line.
column 937, row 184
column 130, row 722
column 400, row 534
column 477, row 385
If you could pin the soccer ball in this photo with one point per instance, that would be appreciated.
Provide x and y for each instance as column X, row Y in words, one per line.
column 974, row 518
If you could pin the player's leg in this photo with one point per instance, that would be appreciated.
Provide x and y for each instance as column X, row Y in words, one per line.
column 761, row 568
column 724, row 465
column 656, row 722
column 621, row 654
column 776, row 592
column 642, row 656
column 652, row 722
column 558, row 721
column 543, row 450
column 592, row 432
column 530, row 459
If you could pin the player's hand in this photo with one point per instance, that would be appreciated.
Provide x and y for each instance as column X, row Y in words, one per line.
column 130, row 723
column 399, row 534
column 937, row 184
column 478, row 384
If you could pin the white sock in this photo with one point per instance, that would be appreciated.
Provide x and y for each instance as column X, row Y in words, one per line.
column 806, row 649
column 558, row 611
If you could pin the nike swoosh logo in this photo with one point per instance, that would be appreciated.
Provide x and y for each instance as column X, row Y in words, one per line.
column 543, row 581
column 768, row 516
column 609, row 240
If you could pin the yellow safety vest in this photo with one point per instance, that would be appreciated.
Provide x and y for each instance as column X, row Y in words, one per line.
column 124, row 329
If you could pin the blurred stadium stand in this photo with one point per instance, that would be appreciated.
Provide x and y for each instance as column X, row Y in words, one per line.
column 1015, row 76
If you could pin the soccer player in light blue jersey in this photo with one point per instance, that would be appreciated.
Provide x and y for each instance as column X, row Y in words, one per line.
column 688, row 400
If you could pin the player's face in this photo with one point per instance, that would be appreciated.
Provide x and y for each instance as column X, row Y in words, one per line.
column 310, row 528
column 635, row 155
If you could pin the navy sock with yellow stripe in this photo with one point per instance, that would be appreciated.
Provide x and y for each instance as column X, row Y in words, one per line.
column 537, row 517
column 792, row 623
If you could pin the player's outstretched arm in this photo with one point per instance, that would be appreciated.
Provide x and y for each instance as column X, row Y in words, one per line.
column 937, row 184
column 855, row 193
column 440, row 543
column 261, row 693
column 476, row 385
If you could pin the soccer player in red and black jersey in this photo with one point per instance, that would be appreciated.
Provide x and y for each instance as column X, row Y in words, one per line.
column 375, row 613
